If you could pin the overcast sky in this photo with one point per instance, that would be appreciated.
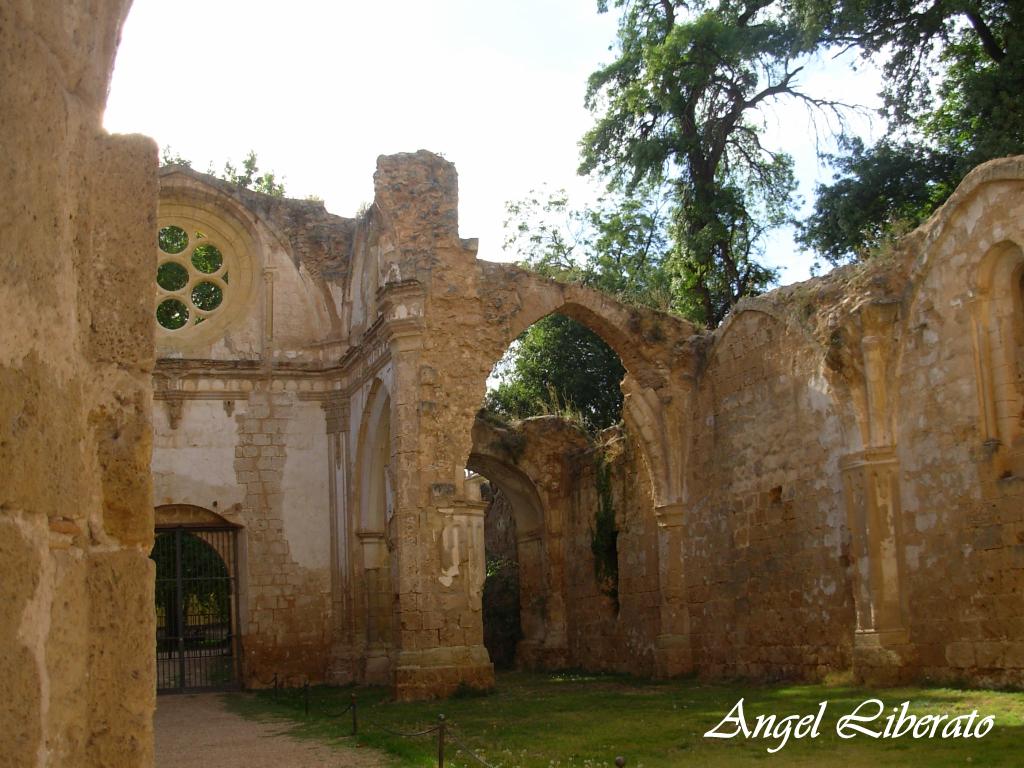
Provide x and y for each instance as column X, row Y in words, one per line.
column 320, row 89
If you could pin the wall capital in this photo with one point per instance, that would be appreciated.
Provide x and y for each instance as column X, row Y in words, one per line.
column 670, row 515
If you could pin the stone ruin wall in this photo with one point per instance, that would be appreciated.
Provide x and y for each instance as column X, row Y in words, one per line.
column 959, row 431
column 767, row 560
column 612, row 627
column 830, row 479
column 76, row 521
column 853, row 449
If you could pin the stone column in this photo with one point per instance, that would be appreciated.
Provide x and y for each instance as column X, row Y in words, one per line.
column 340, row 670
column 871, row 484
column 673, row 654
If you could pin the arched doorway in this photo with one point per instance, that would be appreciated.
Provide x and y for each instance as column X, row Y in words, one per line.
column 376, row 508
column 558, row 391
column 196, row 602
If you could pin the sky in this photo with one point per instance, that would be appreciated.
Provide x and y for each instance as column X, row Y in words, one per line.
column 320, row 88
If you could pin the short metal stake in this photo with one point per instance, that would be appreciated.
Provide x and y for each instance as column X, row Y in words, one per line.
column 440, row 741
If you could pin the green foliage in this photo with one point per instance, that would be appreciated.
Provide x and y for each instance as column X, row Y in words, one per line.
column 558, row 366
column 679, row 109
column 172, row 239
column 203, row 574
column 618, row 246
column 604, row 536
column 171, row 276
column 876, row 191
column 536, row 720
column 207, row 258
column 954, row 97
column 247, row 177
column 172, row 314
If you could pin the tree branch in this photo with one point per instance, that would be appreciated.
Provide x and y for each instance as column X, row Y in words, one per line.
column 985, row 34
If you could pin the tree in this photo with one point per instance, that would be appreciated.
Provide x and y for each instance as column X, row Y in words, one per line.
column 249, row 177
column 559, row 366
column 954, row 97
column 618, row 246
column 679, row 109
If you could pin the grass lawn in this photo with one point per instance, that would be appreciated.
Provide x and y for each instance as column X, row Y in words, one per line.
column 548, row 720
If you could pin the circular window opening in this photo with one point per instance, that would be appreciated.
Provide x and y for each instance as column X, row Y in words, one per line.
column 171, row 276
column 207, row 258
column 172, row 314
column 172, row 239
column 192, row 285
column 207, row 296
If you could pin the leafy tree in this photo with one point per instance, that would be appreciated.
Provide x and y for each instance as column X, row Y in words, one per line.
column 681, row 108
column 618, row 246
column 877, row 192
column 248, row 177
column 954, row 97
column 559, row 366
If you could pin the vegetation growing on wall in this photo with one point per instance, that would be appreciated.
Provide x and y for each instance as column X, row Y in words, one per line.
column 604, row 536
column 502, row 629
column 246, row 177
column 559, row 367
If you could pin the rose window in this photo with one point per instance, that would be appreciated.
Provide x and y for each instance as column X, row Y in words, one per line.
column 191, row 278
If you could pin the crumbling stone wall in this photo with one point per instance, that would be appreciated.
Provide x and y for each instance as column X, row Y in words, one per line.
column 613, row 622
column 76, row 516
column 767, row 556
column 834, row 473
column 962, row 523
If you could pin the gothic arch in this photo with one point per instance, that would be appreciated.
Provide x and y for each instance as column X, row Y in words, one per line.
column 375, row 582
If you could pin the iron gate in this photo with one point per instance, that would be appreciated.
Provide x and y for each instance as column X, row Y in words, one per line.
column 196, row 609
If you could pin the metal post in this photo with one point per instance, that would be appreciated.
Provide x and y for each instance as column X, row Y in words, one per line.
column 181, row 615
column 355, row 723
column 440, row 741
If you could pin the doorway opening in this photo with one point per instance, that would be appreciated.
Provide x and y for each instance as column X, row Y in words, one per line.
column 196, row 609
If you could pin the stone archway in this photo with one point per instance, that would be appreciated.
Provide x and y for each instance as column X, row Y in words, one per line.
column 375, row 504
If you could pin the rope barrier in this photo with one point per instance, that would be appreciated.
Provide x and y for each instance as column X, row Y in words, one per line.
column 469, row 753
column 441, row 729
column 435, row 729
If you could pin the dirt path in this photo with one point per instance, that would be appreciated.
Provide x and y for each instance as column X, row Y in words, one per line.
column 196, row 730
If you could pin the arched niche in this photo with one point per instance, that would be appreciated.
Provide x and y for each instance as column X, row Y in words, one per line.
column 375, row 507
column 999, row 319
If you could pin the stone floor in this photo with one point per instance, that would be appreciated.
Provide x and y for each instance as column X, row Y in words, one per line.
column 196, row 730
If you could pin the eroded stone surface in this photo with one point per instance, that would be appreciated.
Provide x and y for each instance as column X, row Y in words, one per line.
column 830, row 480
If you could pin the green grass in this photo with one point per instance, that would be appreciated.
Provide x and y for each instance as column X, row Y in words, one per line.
column 556, row 720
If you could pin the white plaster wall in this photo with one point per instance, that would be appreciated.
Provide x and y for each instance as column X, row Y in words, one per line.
column 306, row 502
column 195, row 463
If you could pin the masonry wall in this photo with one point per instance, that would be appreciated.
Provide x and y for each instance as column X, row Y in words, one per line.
column 76, row 520
column 963, row 506
column 612, row 624
column 767, row 566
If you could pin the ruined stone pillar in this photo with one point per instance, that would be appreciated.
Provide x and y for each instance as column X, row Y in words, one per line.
column 438, row 535
column 672, row 653
column 871, row 484
column 340, row 671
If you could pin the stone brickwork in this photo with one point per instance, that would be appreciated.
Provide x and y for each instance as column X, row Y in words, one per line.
column 831, row 480
column 767, row 564
column 76, row 353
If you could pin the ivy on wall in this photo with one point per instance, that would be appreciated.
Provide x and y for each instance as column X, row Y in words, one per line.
column 604, row 536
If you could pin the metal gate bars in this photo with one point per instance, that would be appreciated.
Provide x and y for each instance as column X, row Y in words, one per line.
column 196, row 609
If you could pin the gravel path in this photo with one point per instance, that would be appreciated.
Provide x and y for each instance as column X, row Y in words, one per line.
column 196, row 730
